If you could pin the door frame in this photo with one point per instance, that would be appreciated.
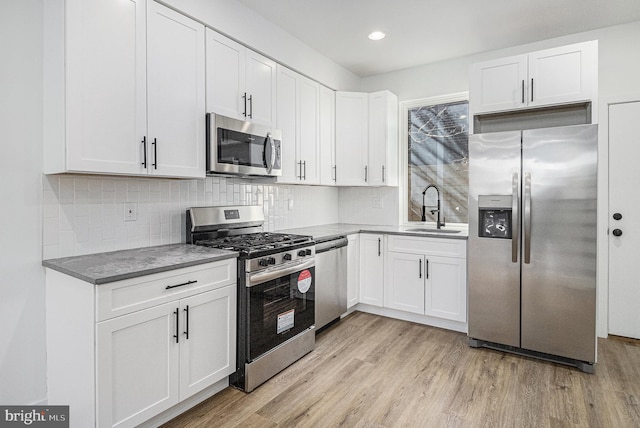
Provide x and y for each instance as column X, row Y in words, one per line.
column 602, row 284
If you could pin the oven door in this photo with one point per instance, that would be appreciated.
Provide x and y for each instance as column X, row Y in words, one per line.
column 281, row 305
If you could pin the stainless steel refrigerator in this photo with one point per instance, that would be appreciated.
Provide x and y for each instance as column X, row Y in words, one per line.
column 532, row 242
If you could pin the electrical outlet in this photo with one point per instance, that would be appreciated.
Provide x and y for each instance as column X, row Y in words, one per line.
column 130, row 211
column 377, row 202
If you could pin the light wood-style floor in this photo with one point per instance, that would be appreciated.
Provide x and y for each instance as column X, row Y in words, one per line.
column 371, row 371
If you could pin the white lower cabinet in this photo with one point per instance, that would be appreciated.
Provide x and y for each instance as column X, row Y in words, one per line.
column 152, row 359
column 141, row 345
column 426, row 276
column 371, row 269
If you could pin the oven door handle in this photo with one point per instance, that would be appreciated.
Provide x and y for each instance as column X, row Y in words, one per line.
column 268, row 275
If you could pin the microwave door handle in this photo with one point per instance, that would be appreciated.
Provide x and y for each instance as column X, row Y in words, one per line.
column 269, row 153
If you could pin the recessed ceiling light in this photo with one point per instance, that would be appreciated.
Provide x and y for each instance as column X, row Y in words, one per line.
column 377, row 35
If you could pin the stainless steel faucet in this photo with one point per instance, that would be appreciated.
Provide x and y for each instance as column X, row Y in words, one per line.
column 439, row 224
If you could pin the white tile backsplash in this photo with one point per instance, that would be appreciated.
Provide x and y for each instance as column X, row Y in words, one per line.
column 85, row 214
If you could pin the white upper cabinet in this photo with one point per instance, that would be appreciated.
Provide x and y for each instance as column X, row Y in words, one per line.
column 240, row 82
column 175, row 94
column 119, row 76
column 555, row 76
column 383, row 139
column 298, row 119
column 366, row 139
column 352, row 128
column 327, row 136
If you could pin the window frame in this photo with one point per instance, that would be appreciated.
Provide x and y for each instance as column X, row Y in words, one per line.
column 405, row 106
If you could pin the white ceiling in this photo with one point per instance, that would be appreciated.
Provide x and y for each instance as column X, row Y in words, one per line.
column 426, row 31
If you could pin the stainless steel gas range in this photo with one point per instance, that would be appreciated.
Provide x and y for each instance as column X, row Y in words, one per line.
column 276, row 288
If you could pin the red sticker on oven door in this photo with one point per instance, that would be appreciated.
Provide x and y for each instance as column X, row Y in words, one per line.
column 304, row 281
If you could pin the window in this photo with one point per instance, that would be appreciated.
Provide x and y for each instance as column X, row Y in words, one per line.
column 438, row 153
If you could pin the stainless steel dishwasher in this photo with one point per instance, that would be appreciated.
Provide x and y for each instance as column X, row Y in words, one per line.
column 331, row 280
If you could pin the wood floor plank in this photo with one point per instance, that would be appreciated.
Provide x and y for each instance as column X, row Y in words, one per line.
column 371, row 371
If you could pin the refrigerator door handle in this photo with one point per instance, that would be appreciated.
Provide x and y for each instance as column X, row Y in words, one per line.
column 515, row 217
column 527, row 218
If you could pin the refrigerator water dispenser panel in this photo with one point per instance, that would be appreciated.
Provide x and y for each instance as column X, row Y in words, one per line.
column 494, row 215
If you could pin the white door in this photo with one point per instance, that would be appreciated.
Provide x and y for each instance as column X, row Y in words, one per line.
column 261, row 89
column 371, row 269
column 287, row 122
column 327, row 126
column 498, row 85
column 352, row 125
column 446, row 288
column 624, row 199
column 404, row 282
column 561, row 75
column 176, row 94
column 225, row 76
column 137, row 366
column 308, row 130
column 208, row 339
column 105, row 86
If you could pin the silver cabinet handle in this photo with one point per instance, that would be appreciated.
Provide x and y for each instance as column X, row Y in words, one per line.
column 515, row 219
column 365, row 174
column 383, row 176
column 531, row 90
column 523, row 92
column 244, row 97
column 335, row 173
column 527, row 217
column 250, row 106
column 304, row 166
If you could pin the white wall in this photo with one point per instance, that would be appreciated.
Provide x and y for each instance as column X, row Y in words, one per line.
column 22, row 350
column 247, row 27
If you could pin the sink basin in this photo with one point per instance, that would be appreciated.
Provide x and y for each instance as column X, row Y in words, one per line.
column 424, row 230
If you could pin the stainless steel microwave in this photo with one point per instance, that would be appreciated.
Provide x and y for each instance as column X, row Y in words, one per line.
column 242, row 148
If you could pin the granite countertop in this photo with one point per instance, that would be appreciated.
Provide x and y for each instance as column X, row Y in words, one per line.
column 102, row 268
column 329, row 231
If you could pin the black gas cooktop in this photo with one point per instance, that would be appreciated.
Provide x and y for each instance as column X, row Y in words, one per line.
column 253, row 244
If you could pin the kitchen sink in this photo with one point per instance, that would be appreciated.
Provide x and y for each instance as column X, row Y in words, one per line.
column 424, row 230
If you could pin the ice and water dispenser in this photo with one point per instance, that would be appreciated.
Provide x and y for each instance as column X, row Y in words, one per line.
column 494, row 216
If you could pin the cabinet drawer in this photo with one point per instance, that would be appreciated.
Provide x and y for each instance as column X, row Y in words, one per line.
column 432, row 246
column 123, row 297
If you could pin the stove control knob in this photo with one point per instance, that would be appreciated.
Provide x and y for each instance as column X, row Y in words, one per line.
column 308, row 251
column 301, row 253
column 287, row 256
column 263, row 262
column 271, row 260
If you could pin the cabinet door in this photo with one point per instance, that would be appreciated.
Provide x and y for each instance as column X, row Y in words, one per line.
column 498, row 85
column 353, row 270
column 371, row 269
column 105, row 86
column 308, row 93
column 562, row 75
column 327, row 128
column 446, row 288
column 351, row 138
column 137, row 366
column 208, row 339
column 225, row 76
column 287, row 109
column 261, row 88
column 383, row 139
column 176, row 95
column 404, row 283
